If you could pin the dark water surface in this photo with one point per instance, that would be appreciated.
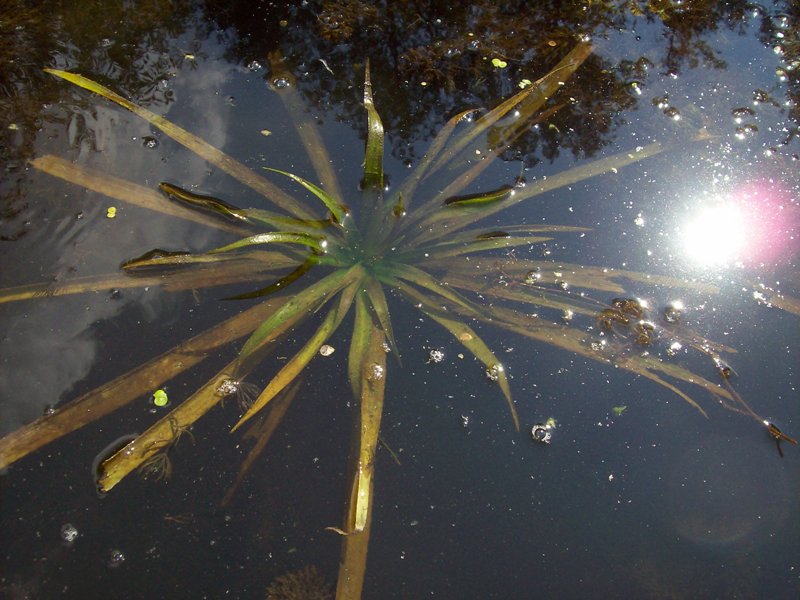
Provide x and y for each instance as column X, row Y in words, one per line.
column 656, row 502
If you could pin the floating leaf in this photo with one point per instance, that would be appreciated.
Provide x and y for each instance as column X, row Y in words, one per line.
column 160, row 398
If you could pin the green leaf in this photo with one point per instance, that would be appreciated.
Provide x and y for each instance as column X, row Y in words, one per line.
column 377, row 298
column 480, row 199
column 282, row 283
column 301, row 305
column 298, row 362
column 359, row 342
column 316, row 243
column 208, row 202
column 373, row 157
column 435, row 149
column 338, row 209
column 281, row 223
column 423, row 279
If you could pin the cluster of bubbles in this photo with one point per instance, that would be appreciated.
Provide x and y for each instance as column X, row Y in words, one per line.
column 435, row 356
column 493, row 372
column 69, row 534
column 375, row 372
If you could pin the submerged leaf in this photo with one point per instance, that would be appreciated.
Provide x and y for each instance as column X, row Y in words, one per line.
column 208, row 202
column 316, row 243
column 115, row 394
column 338, row 209
column 373, row 157
column 297, row 363
column 281, row 283
column 300, row 305
column 481, row 198
column 125, row 191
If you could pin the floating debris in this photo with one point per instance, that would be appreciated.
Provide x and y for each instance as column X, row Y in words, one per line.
column 69, row 533
column 326, row 350
column 245, row 393
column 115, row 558
column 160, row 398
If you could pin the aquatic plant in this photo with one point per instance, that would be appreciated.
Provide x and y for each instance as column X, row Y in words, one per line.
column 423, row 240
column 304, row 584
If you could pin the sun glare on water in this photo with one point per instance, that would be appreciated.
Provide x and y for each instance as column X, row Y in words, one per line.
column 715, row 236
column 752, row 226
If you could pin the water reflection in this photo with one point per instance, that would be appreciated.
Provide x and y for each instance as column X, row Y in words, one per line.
column 752, row 226
column 743, row 497
column 433, row 59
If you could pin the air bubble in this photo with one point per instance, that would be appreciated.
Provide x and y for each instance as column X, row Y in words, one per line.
column 493, row 372
column 532, row 277
column 543, row 432
column 254, row 65
column 69, row 533
column 281, row 83
column 598, row 345
column 673, row 113
column 375, row 372
column 673, row 312
column 150, row 142
column 115, row 558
